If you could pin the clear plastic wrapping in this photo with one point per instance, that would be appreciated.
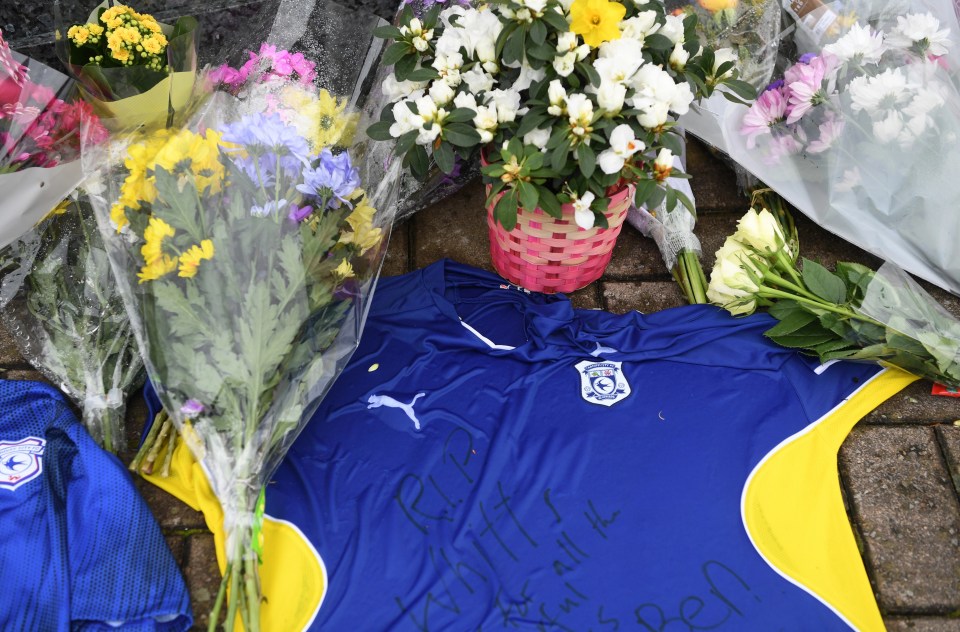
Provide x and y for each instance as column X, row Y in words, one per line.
column 247, row 245
column 860, row 133
column 39, row 141
column 61, row 304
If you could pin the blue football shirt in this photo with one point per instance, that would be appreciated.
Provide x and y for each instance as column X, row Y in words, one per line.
column 79, row 548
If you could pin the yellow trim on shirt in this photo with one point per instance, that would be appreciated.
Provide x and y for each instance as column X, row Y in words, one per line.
column 793, row 510
column 292, row 576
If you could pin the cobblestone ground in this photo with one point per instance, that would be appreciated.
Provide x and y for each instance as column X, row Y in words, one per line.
column 900, row 467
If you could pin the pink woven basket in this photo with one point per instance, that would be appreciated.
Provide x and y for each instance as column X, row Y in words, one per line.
column 555, row 255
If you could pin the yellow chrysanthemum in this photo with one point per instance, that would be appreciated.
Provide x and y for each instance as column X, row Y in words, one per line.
column 153, row 235
column 118, row 215
column 190, row 260
column 364, row 235
column 320, row 118
column 344, row 270
column 161, row 267
column 200, row 154
column 597, row 21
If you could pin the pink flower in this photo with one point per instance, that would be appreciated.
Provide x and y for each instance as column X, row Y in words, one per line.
column 830, row 130
column 780, row 146
column 766, row 111
column 805, row 84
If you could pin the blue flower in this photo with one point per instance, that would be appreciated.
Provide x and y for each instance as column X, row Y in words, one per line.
column 332, row 181
column 268, row 143
column 269, row 208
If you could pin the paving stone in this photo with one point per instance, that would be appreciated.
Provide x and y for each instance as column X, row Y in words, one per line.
column 9, row 353
column 908, row 514
column 22, row 374
column 455, row 227
column 916, row 404
column 826, row 248
column 397, row 259
column 922, row 624
column 202, row 576
column 178, row 545
column 586, row 298
column 646, row 296
column 714, row 184
column 169, row 512
column 950, row 442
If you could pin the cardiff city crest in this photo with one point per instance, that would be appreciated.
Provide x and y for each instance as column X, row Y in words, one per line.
column 603, row 382
column 20, row 461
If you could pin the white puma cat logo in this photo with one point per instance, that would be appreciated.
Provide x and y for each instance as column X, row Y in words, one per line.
column 375, row 401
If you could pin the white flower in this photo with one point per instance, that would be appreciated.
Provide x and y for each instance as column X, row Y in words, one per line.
column 486, row 122
column 538, row 138
column 656, row 95
column 567, row 42
column 623, row 144
column 640, row 26
column 480, row 32
column 924, row 101
column 441, row 93
column 465, row 100
column 722, row 56
column 734, row 276
column 415, row 28
column 919, row 31
column 879, row 93
column 610, row 97
column 564, row 64
column 506, row 102
column 619, row 60
column 477, row 80
column 528, row 75
column 761, row 231
column 579, row 110
column 558, row 98
column 654, row 114
column 887, row 129
column 860, row 45
column 850, row 180
column 448, row 67
column 664, row 161
column 565, row 5
column 535, row 6
column 404, row 120
column 420, row 44
column 523, row 15
column 394, row 90
column 581, row 211
column 449, row 42
column 679, row 57
column 672, row 29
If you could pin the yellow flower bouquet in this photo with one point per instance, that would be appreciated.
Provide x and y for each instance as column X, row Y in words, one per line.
column 246, row 245
column 130, row 67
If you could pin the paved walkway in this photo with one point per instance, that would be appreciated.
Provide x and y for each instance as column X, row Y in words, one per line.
column 900, row 468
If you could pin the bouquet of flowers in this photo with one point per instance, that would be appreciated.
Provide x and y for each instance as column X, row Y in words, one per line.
column 246, row 246
column 39, row 141
column 62, row 305
column 130, row 67
column 860, row 134
column 569, row 100
column 853, row 313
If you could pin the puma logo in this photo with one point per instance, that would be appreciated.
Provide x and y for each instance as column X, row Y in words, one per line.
column 376, row 401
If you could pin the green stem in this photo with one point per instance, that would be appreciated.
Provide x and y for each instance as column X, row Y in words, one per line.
column 695, row 277
column 799, row 289
column 233, row 601
column 253, row 595
column 148, row 442
column 221, row 593
column 830, row 307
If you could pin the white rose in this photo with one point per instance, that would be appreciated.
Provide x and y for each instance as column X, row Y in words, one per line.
column 564, row 64
column 610, row 97
column 581, row 211
column 538, row 138
column 736, row 269
column 441, row 93
column 761, row 231
column 477, row 80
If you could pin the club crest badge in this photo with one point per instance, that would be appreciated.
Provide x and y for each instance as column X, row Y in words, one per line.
column 20, row 461
column 602, row 383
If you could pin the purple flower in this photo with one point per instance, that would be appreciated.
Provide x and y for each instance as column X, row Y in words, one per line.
column 806, row 58
column 298, row 214
column 192, row 408
column 776, row 85
column 332, row 181
column 268, row 142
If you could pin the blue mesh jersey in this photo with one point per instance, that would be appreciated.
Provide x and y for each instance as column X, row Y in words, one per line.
column 79, row 548
column 494, row 459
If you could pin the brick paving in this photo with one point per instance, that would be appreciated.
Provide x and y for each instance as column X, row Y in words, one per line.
column 900, row 467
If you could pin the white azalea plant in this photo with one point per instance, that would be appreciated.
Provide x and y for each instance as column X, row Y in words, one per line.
column 569, row 100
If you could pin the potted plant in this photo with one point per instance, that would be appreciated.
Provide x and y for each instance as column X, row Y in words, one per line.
column 574, row 106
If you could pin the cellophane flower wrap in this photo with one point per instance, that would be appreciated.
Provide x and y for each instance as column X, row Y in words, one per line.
column 62, row 306
column 860, row 133
column 131, row 68
column 247, row 244
column 40, row 124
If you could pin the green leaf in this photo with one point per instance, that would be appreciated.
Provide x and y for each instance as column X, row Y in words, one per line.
column 549, row 203
column 558, row 158
column 590, row 72
column 538, row 32
column 643, row 190
column 823, row 283
column 505, row 212
column 380, row 131
column 387, row 32
column 406, row 142
column 443, row 156
column 658, row 42
column 405, row 67
column 529, row 197
column 796, row 319
column 423, row 74
column 741, row 88
column 587, row 159
column 418, row 161
column 531, row 121
column 461, row 135
column 513, row 50
column 543, row 52
column 395, row 52
column 460, row 115
column 556, row 20
column 179, row 207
